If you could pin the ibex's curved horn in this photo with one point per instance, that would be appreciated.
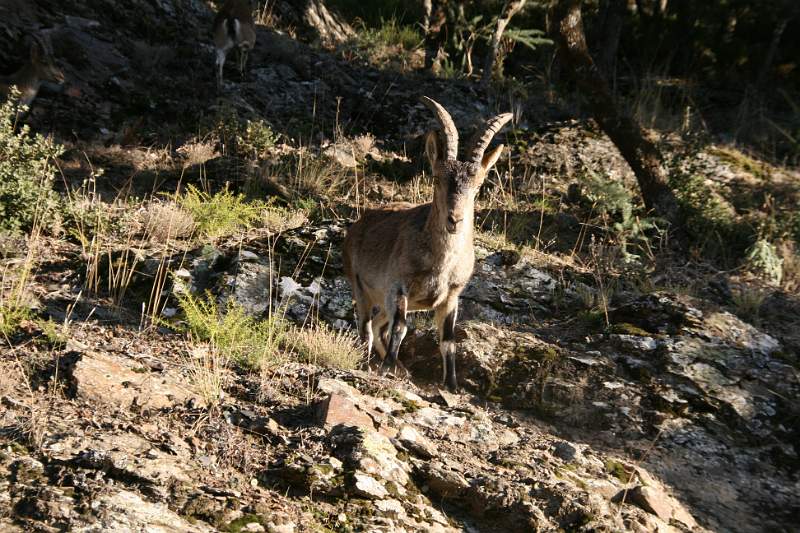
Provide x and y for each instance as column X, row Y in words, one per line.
column 448, row 126
column 480, row 141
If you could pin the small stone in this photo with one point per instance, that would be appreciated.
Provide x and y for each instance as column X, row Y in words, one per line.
column 635, row 343
column 414, row 442
column 27, row 469
column 506, row 437
column 565, row 451
column 254, row 527
column 337, row 386
column 107, row 379
column 408, row 396
column 651, row 500
column 287, row 527
column 369, row 487
column 450, row 399
column 344, row 157
column 445, row 483
column 390, row 507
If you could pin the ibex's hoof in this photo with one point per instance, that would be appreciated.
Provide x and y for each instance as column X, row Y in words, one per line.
column 383, row 369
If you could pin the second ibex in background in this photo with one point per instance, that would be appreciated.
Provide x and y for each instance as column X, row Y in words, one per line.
column 234, row 26
column 407, row 257
column 39, row 67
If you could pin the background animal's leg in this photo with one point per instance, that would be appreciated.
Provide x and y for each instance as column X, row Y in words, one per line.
column 221, row 53
column 242, row 59
column 446, row 322
column 396, row 309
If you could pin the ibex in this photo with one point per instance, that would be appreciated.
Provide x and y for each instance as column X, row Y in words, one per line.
column 407, row 257
column 39, row 67
column 234, row 26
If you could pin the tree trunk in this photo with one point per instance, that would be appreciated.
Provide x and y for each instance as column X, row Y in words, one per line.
column 434, row 22
column 614, row 15
column 763, row 73
column 326, row 25
column 427, row 9
column 509, row 10
column 641, row 154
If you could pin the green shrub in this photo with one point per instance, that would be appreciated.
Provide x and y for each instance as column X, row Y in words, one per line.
column 243, row 339
column 257, row 139
column 763, row 259
column 26, row 171
column 632, row 233
column 11, row 316
column 222, row 213
column 609, row 197
column 710, row 221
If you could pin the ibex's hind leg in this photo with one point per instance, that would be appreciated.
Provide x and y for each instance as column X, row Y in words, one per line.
column 380, row 330
column 365, row 313
column 446, row 322
column 396, row 309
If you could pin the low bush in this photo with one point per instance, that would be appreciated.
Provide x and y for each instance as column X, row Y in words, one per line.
column 26, row 172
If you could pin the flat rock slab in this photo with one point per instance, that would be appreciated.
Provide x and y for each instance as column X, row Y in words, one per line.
column 110, row 380
column 339, row 409
column 127, row 511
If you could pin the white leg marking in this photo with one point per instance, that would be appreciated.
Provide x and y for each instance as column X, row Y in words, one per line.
column 446, row 348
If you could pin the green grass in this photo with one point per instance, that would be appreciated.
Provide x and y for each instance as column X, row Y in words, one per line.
column 257, row 344
column 392, row 34
column 390, row 44
column 618, row 470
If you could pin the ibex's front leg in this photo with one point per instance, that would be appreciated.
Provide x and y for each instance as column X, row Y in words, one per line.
column 396, row 310
column 446, row 322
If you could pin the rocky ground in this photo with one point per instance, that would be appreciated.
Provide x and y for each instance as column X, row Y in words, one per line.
column 664, row 410
column 680, row 416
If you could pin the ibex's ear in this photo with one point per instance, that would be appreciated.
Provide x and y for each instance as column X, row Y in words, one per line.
column 432, row 148
column 489, row 160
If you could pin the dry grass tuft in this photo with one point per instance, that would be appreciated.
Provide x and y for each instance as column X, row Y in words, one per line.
column 207, row 367
column 318, row 176
column 363, row 144
column 197, row 153
column 322, row 345
column 748, row 300
column 162, row 221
